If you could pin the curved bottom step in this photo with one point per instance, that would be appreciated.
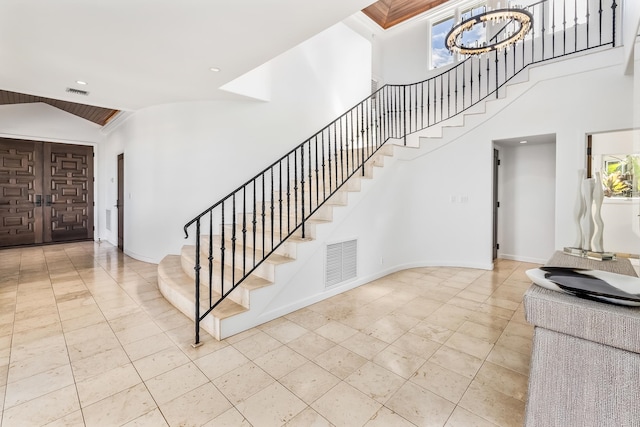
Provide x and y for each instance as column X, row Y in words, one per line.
column 178, row 288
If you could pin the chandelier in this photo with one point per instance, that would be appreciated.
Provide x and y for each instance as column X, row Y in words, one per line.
column 520, row 17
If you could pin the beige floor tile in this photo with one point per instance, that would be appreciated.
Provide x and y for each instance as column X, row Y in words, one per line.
column 420, row 406
column 417, row 345
column 335, row 331
column 340, row 361
column 308, row 418
column 42, row 362
column 37, row 385
column 286, row 331
column 431, row 331
column 272, row 406
column 504, row 380
column 385, row 329
column 44, row 409
column 385, row 417
column 441, row 381
column 492, row 405
column 150, row 419
column 99, row 363
column 346, row 406
column 463, row 418
column 196, row 407
column 483, row 332
column 176, row 382
column 375, row 381
column 308, row 319
column 513, row 360
column 399, row 361
column 120, row 408
column 243, row 382
column 470, row 345
column 160, row 362
column 457, row 361
column 310, row 345
column 148, row 346
column 309, row 381
column 364, row 345
column 74, row 419
column 257, row 345
column 229, row 418
column 106, row 384
column 220, row 362
column 280, row 361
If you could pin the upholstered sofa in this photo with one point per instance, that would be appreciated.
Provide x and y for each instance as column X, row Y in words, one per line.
column 585, row 361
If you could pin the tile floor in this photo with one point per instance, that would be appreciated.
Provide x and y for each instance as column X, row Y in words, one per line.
column 87, row 339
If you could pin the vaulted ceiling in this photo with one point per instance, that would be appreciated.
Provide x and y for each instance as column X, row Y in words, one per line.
column 387, row 13
column 137, row 54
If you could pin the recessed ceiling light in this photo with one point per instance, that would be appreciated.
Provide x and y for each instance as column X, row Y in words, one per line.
column 523, row 142
column 80, row 82
column 214, row 69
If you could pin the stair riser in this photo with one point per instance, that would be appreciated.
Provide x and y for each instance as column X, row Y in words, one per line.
column 239, row 295
column 324, row 213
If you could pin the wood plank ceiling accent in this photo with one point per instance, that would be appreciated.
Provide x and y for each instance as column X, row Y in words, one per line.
column 94, row 114
column 387, row 13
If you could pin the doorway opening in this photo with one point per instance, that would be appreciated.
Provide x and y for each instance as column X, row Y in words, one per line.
column 524, row 183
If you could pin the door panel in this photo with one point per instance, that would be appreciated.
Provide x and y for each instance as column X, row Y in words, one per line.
column 20, row 192
column 120, row 202
column 46, row 192
column 69, row 193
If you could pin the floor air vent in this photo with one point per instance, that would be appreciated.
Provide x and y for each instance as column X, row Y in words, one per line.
column 341, row 263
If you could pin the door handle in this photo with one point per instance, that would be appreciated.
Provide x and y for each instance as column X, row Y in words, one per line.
column 38, row 200
column 48, row 200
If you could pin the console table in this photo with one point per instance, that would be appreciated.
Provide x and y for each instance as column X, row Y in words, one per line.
column 585, row 360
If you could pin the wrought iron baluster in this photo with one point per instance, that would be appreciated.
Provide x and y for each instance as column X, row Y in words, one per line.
column 341, row 152
column 264, row 214
column 295, row 188
column 575, row 25
column 318, row 175
column 280, row 200
column 311, row 176
column 272, row 206
column 197, row 290
column 233, row 243
column 324, row 186
column 614, row 6
column 600, row 10
column 210, row 256
column 223, row 244
column 335, row 152
column 302, row 189
column 254, row 222
column 288, row 197
column 244, row 230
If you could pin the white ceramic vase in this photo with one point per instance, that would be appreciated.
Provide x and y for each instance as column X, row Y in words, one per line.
column 578, row 211
column 598, row 197
column 586, row 222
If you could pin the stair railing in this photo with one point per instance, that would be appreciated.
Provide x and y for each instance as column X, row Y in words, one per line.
column 257, row 218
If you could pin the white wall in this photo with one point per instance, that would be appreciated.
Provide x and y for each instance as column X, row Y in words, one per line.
column 526, row 189
column 181, row 158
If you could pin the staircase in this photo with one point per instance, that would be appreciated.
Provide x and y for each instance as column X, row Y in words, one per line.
column 176, row 273
column 242, row 241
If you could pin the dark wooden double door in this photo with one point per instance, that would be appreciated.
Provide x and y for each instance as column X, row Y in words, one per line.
column 46, row 192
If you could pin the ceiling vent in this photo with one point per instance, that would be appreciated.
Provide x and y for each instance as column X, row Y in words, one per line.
column 77, row 91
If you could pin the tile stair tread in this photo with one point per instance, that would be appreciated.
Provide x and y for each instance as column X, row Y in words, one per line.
column 251, row 282
column 171, row 271
column 274, row 258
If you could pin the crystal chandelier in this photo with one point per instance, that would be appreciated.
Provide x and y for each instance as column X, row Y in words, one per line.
column 521, row 18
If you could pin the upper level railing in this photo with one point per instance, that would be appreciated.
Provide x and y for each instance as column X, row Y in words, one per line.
column 259, row 216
